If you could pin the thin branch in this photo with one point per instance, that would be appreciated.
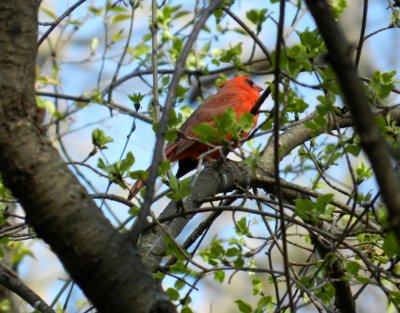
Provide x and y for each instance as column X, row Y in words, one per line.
column 257, row 40
column 154, row 59
column 112, row 105
column 59, row 20
column 11, row 281
column 362, row 33
column 124, row 51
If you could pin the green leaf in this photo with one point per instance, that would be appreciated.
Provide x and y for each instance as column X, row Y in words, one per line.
column 127, row 162
column 364, row 280
column 206, row 47
column 231, row 55
column 312, row 41
column 353, row 267
column 242, row 227
column 218, row 14
column 101, row 164
column 180, row 189
column 391, row 246
column 304, row 208
column 95, row 11
column 363, row 172
column 134, row 211
column 49, row 106
column 246, row 121
column 99, row 138
column 140, row 50
column 219, row 276
column 238, row 263
column 252, row 16
column 164, row 167
column 323, row 200
column 231, row 252
column 49, row 12
column 394, row 297
column 139, row 174
column 206, row 131
column 172, row 293
column 338, row 7
column 136, row 98
column 186, row 310
column 120, row 18
column 382, row 84
column 5, row 306
column 326, row 293
column 216, row 250
column 173, row 183
column 243, row 306
column 353, row 149
column 181, row 14
column 263, row 303
column 165, row 80
column 226, row 122
column 257, row 286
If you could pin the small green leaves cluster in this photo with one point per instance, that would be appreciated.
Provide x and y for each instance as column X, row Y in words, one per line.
column 217, row 256
column 136, row 99
column 118, row 170
column 300, row 57
column 309, row 210
column 257, row 17
column 100, row 139
column 229, row 55
column 180, row 189
column 363, row 172
column 227, row 128
column 382, row 84
column 338, row 7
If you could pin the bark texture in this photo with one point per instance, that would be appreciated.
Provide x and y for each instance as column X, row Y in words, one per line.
column 102, row 261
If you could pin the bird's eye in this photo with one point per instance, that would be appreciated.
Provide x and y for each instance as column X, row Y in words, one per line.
column 249, row 82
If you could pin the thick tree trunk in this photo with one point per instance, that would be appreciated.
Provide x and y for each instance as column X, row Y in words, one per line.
column 102, row 261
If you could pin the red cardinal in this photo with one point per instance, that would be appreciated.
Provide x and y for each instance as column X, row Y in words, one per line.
column 239, row 93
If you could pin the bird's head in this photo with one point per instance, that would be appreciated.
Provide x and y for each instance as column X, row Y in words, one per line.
column 241, row 82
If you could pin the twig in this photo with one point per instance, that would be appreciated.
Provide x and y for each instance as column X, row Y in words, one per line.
column 111, row 105
column 154, row 59
column 362, row 33
column 112, row 197
column 124, row 51
column 59, row 20
column 11, row 281
column 250, row 32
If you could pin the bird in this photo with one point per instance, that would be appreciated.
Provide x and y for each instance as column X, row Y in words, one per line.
column 240, row 93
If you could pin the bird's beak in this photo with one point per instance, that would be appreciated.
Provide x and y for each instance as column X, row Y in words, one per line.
column 257, row 88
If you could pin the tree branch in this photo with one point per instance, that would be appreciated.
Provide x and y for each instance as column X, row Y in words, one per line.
column 11, row 281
